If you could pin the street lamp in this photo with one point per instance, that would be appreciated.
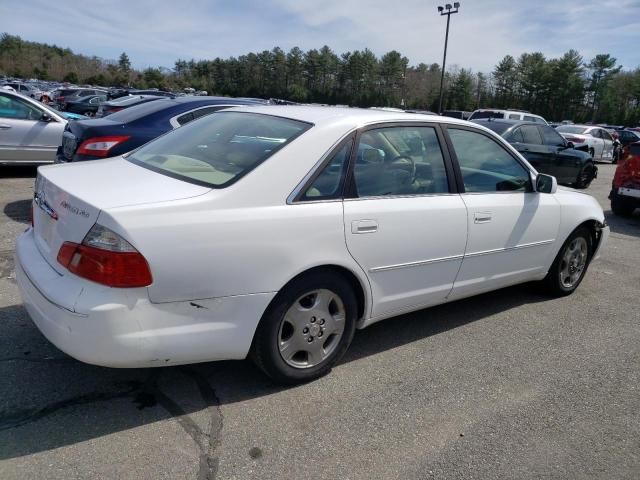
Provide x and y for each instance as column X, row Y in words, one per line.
column 446, row 10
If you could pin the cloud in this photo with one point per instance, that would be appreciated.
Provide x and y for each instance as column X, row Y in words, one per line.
column 157, row 33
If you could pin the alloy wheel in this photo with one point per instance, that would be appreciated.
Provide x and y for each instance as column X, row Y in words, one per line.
column 573, row 262
column 311, row 328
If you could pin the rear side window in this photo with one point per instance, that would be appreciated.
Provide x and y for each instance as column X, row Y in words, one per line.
column 485, row 165
column 551, row 137
column 516, row 136
column 328, row 185
column 220, row 148
column 531, row 134
column 514, row 116
column 399, row 161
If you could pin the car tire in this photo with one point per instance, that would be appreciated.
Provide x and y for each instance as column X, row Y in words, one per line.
column 292, row 343
column 585, row 176
column 621, row 206
column 570, row 265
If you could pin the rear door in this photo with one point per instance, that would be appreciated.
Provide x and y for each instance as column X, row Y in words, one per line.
column 23, row 136
column 404, row 223
column 607, row 139
column 534, row 150
column 597, row 142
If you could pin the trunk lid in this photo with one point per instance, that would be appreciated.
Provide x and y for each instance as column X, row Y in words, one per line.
column 68, row 198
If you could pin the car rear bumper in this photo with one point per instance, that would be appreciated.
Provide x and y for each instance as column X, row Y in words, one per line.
column 121, row 328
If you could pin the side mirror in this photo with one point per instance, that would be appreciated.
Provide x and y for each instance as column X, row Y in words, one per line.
column 546, row 183
column 46, row 117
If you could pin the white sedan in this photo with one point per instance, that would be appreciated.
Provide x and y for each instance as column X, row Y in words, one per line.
column 277, row 231
column 595, row 140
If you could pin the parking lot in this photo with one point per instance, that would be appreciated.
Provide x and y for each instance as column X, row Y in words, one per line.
column 510, row 384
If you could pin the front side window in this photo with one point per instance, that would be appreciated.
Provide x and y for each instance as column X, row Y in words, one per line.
column 399, row 161
column 220, row 148
column 551, row 137
column 605, row 135
column 485, row 165
column 17, row 109
column 328, row 185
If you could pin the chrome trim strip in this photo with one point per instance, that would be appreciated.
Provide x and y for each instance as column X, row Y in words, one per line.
column 457, row 257
column 507, row 249
column 415, row 264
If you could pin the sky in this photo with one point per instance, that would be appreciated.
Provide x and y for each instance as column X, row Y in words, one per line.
column 156, row 33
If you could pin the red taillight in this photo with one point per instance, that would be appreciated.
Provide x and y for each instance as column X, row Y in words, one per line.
column 114, row 269
column 574, row 140
column 114, row 109
column 100, row 146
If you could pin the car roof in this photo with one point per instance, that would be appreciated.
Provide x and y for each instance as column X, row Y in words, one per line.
column 195, row 99
column 321, row 115
column 506, row 121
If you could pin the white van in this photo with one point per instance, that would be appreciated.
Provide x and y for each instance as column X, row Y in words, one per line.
column 507, row 114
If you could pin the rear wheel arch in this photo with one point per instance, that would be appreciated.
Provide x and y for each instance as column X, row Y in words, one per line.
column 353, row 280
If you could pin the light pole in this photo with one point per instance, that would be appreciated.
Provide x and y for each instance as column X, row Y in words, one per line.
column 446, row 10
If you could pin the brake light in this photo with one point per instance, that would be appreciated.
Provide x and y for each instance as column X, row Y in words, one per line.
column 574, row 140
column 100, row 146
column 114, row 109
column 105, row 257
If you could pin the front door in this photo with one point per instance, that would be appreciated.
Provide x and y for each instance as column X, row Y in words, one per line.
column 511, row 227
column 23, row 136
column 404, row 224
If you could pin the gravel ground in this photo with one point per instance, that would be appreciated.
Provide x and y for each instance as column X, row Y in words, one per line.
column 510, row 384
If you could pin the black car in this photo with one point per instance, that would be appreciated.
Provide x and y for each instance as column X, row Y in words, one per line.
column 627, row 137
column 123, row 131
column 120, row 103
column 86, row 105
column 546, row 150
column 63, row 96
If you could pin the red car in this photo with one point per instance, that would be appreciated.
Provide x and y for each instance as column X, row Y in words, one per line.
column 625, row 191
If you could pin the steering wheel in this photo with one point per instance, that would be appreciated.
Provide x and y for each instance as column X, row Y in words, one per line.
column 406, row 163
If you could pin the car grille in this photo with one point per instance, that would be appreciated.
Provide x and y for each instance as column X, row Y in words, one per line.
column 69, row 145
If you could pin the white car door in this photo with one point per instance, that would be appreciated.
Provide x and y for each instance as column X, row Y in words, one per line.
column 597, row 143
column 511, row 228
column 404, row 224
column 24, row 137
column 607, row 139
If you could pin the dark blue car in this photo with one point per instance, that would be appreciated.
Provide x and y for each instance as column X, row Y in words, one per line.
column 123, row 131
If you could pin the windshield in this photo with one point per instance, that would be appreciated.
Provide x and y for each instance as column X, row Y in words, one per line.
column 487, row 114
column 571, row 129
column 218, row 149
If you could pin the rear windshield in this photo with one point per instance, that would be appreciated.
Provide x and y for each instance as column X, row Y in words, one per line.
column 218, row 149
column 138, row 111
column 486, row 114
column 571, row 129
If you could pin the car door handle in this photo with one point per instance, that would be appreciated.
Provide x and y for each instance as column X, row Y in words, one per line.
column 4, row 126
column 482, row 217
column 364, row 226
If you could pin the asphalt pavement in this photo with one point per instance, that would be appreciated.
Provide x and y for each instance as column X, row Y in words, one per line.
column 510, row 384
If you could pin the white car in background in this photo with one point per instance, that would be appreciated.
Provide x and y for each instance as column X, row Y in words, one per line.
column 277, row 231
column 595, row 140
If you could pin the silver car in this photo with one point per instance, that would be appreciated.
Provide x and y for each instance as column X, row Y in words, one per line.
column 30, row 132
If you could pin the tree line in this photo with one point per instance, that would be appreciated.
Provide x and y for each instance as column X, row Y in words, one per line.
column 564, row 88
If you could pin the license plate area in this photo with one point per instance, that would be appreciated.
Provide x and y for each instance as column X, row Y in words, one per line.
column 629, row 192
